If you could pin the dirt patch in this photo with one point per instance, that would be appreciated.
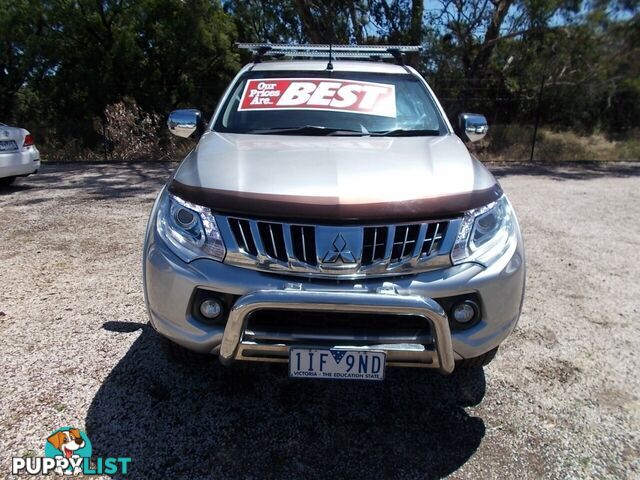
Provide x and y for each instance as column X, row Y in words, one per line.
column 559, row 401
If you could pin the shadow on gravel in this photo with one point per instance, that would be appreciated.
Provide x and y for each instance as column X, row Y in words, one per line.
column 14, row 188
column 568, row 170
column 251, row 421
column 97, row 181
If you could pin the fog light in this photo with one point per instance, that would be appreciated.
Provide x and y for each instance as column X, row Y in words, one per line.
column 465, row 312
column 211, row 309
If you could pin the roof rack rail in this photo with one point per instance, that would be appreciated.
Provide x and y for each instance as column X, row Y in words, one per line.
column 374, row 52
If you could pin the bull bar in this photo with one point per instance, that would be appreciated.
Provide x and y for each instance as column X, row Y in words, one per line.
column 383, row 300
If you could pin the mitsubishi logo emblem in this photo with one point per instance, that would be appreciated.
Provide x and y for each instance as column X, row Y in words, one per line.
column 339, row 252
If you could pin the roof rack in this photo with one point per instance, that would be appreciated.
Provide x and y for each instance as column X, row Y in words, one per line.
column 373, row 52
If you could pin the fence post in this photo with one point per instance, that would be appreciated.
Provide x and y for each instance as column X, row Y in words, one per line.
column 104, row 142
column 537, row 121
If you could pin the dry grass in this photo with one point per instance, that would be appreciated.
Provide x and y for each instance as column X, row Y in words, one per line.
column 513, row 143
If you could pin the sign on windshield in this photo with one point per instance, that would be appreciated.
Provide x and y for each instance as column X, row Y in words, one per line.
column 351, row 96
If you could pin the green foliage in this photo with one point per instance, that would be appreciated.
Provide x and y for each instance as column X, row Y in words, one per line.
column 23, row 54
column 88, row 55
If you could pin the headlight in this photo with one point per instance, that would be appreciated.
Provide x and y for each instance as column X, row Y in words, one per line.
column 189, row 230
column 484, row 232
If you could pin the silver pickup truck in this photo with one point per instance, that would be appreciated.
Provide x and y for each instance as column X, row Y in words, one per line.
column 331, row 217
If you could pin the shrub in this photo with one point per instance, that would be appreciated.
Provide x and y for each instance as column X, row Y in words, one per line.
column 513, row 143
column 553, row 147
column 68, row 151
column 509, row 142
column 629, row 149
column 132, row 134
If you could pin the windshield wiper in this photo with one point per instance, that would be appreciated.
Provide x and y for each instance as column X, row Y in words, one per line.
column 401, row 132
column 320, row 130
column 304, row 130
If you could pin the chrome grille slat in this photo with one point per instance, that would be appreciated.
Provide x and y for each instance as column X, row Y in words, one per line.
column 374, row 245
column 406, row 237
column 304, row 246
column 435, row 236
column 288, row 243
column 435, row 233
column 417, row 251
column 273, row 241
column 375, row 238
column 272, row 235
column 404, row 242
column 255, row 234
column 243, row 239
column 389, row 248
column 379, row 250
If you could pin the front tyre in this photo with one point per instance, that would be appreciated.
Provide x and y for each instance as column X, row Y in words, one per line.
column 477, row 362
column 6, row 181
column 179, row 354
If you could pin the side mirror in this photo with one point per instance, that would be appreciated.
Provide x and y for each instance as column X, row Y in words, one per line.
column 472, row 126
column 184, row 123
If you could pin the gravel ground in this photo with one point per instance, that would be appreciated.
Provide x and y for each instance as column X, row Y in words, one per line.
column 561, row 400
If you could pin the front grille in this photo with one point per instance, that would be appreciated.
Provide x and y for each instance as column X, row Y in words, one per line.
column 334, row 251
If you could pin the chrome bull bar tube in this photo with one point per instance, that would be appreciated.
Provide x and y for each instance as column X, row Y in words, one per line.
column 382, row 301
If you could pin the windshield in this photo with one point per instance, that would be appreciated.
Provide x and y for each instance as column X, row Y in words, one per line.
column 330, row 103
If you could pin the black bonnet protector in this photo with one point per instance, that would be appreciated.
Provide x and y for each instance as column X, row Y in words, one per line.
column 330, row 209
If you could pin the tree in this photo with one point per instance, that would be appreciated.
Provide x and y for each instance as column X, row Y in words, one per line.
column 89, row 54
column 23, row 52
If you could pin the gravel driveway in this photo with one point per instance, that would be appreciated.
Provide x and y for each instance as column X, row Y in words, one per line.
column 561, row 400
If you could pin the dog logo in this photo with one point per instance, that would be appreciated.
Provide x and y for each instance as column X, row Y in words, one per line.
column 71, row 444
column 67, row 451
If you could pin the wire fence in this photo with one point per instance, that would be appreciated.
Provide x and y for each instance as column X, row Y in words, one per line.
column 546, row 126
column 523, row 127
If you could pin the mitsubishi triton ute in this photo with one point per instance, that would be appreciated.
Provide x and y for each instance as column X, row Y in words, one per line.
column 331, row 218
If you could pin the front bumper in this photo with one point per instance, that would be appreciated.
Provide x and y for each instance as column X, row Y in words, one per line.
column 20, row 163
column 170, row 284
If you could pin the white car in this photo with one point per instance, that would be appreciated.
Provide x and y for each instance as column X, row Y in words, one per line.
column 19, row 156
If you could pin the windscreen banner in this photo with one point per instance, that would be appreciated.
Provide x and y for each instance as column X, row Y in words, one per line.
column 331, row 94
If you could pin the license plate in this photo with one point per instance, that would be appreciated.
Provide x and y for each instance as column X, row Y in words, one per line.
column 6, row 145
column 337, row 364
